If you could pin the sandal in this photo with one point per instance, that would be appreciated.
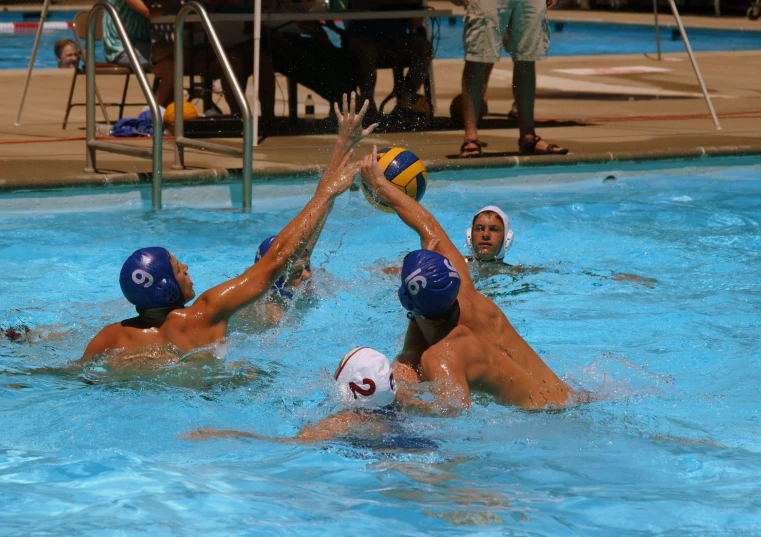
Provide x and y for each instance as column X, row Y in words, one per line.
column 527, row 146
column 475, row 141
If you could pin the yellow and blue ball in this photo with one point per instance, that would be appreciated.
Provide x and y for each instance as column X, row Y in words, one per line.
column 404, row 170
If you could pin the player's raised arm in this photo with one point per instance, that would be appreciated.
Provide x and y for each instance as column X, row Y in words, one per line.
column 413, row 214
column 222, row 301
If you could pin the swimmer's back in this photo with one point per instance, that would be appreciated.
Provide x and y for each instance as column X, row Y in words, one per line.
column 490, row 347
column 185, row 328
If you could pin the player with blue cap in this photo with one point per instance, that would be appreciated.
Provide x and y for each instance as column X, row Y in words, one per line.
column 456, row 337
column 147, row 279
column 429, row 283
column 269, row 312
column 278, row 288
column 159, row 286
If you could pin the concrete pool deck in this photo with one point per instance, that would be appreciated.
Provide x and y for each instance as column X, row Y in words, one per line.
column 653, row 110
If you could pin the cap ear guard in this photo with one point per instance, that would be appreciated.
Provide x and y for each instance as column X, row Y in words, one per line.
column 405, row 299
column 508, row 242
column 168, row 291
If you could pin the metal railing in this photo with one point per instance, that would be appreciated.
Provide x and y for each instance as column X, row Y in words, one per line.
column 180, row 142
column 691, row 55
column 93, row 144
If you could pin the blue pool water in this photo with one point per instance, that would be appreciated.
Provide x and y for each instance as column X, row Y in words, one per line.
column 671, row 449
column 575, row 39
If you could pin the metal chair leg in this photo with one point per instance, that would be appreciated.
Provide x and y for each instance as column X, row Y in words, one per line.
column 71, row 96
column 102, row 105
column 124, row 97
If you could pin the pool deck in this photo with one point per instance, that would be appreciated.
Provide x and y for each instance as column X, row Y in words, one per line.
column 600, row 117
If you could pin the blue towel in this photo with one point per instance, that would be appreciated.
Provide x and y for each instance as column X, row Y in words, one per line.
column 142, row 125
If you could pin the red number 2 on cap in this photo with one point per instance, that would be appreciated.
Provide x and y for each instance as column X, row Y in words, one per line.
column 367, row 392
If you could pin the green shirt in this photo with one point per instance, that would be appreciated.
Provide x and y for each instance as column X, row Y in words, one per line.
column 138, row 29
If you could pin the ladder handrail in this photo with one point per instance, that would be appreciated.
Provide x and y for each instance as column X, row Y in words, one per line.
column 137, row 69
column 179, row 75
column 690, row 54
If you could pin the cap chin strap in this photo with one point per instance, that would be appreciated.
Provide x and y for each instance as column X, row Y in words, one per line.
column 155, row 316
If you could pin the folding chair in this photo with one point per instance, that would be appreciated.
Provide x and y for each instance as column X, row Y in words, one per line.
column 101, row 68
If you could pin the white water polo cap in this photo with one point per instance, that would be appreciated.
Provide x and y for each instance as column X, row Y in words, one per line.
column 365, row 379
column 506, row 243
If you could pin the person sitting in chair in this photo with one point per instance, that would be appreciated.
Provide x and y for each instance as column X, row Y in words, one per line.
column 135, row 17
column 382, row 43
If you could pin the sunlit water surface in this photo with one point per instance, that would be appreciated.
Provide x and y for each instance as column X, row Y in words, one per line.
column 672, row 447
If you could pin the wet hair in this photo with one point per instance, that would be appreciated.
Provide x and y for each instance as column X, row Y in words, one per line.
column 62, row 44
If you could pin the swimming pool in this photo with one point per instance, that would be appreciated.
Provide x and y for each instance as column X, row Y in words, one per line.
column 672, row 449
column 582, row 38
column 569, row 38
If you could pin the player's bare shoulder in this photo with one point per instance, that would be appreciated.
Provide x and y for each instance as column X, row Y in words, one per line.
column 110, row 337
column 458, row 343
column 475, row 309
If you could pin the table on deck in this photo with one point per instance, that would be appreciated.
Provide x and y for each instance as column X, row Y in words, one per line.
column 298, row 16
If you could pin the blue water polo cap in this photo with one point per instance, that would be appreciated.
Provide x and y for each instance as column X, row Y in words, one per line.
column 430, row 283
column 279, row 285
column 147, row 279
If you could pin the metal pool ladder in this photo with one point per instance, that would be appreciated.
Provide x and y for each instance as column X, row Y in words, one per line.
column 94, row 144
column 155, row 154
column 180, row 142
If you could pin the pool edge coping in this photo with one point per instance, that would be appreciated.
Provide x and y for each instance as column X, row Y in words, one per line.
column 207, row 176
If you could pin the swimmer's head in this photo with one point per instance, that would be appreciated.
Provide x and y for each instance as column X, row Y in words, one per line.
column 152, row 278
column 430, row 283
column 66, row 53
column 365, row 379
column 489, row 237
column 300, row 271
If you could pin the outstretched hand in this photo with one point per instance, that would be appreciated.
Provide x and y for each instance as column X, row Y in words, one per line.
column 349, row 122
column 372, row 174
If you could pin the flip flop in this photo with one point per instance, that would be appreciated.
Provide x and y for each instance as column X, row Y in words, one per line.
column 475, row 141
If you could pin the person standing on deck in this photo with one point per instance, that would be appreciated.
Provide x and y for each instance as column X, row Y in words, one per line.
column 522, row 26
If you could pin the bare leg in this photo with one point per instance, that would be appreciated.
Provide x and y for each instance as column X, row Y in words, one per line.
column 163, row 68
column 366, row 67
column 472, row 95
column 267, row 88
column 487, row 76
column 165, row 91
column 524, row 90
column 420, row 62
